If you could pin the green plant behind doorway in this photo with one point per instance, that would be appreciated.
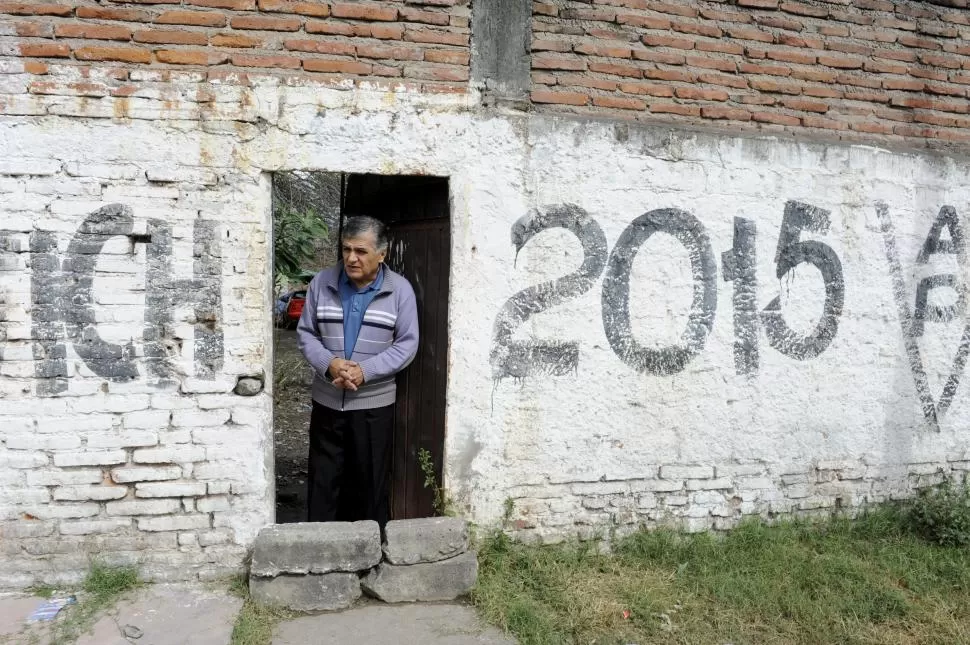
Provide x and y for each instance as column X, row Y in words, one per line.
column 296, row 234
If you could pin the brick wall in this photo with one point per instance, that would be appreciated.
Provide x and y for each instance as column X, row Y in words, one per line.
column 858, row 67
column 423, row 44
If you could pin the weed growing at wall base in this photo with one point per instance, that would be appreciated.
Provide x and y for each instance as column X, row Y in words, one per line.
column 942, row 514
column 102, row 587
column 867, row 580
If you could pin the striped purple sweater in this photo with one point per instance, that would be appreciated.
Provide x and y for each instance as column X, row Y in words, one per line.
column 387, row 342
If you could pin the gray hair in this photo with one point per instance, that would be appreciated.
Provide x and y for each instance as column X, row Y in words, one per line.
column 361, row 224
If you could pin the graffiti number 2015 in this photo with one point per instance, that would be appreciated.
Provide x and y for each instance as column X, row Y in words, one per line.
column 519, row 359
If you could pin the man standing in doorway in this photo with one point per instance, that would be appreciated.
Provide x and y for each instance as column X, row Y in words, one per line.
column 359, row 328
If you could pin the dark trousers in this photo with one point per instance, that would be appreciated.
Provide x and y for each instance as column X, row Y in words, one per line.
column 349, row 465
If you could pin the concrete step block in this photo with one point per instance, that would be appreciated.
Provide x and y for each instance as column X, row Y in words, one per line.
column 443, row 580
column 316, row 547
column 310, row 592
column 427, row 539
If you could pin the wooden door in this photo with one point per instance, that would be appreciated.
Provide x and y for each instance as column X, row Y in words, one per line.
column 417, row 214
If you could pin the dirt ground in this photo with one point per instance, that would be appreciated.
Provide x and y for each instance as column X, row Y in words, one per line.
column 291, row 422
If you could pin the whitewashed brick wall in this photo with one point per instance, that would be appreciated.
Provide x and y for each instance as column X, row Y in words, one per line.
column 148, row 457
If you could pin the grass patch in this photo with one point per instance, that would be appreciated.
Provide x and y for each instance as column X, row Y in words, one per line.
column 102, row 587
column 254, row 623
column 867, row 580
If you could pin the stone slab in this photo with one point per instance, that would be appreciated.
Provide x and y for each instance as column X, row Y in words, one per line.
column 310, row 592
column 380, row 624
column 14, row 610
column 428, row 539
column 444, row 580
column 168, row 614
column 316, row 547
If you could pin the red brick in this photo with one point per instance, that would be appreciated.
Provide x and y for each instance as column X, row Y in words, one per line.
column 960, row 78
column 379, row 30
column 700, row 94
column 757, row 99
column 749, row 33
column 726, row 80
column 895, row 23
column 725, row 112
column 616, row 70
column 945, row 90
column 805, row 105
column 851, row 17
column 619, row 103
column 234, row 40
column 943, row 31
column 199, row 18
column 92, row 31
column 585, row 80
column 713, row 63
column 541, row 78
column 945, row 120
column 759, row 4
column 593, row 49
column 265, row 23
column 316, row 9
column 773, row 117
column 121, row 54
column 28, row 9
column 668, row 75
column 363, row 11
column 651, row 89
column 930, row 104
column 725, row 16
column 848, row 48
column 771, row 70
column 450, row 56
column 544, row 9
column 105, row 13
column 791, row 56
column 435, row 37
column 36, row 67
column 673, row 8
column 666, row 107
column 389, row 52
column 895, row 54
column 45, row 50
column 801, row 9
column 755, row 53
column 720, row 46
column 771, row 85
column 190, row 57
column 779, row 22
column 957, row 48
column 941, row 60
column 604, row 15
column 874, row 5
column 386, row 70
column 821, row 92
column 329, row 27
column 667, row 58
column 872, row 128
column 408, row 14
column 840, row 62
column 834, row 30
column 647, row 22
column 915, row 131
column 321, row 47
column 859, row 80
column 551, row 46
column 337, row 66
column 562, row 98
column 814, row 74
column 822, row 122
column 931, row 73
column 653, row 40
column 171, row 36
column 557, row 61
column 909, row 84
column 915, row 41
column 238, row 5
column 800, row 41
column 252, row 60
column 699, row 29
column 880, row 67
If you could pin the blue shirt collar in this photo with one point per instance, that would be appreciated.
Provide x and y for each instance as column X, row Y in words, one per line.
column 344, row 280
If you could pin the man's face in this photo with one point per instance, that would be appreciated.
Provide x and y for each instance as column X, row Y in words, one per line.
column 362, row 260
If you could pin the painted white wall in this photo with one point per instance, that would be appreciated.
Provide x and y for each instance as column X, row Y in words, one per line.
column 603, row 445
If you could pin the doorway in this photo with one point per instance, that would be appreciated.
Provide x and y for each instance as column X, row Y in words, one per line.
column 417, row 212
